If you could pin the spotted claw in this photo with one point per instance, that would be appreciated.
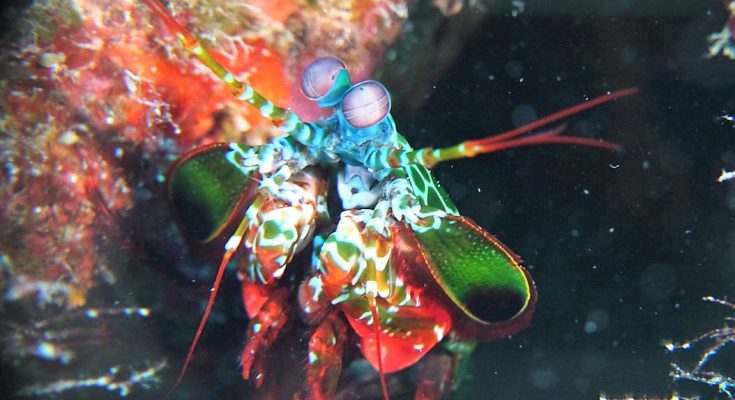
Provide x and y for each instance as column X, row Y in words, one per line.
column 281, row 224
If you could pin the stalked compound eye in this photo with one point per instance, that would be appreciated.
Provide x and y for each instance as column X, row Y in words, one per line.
column 366, row 104
column 319, row 76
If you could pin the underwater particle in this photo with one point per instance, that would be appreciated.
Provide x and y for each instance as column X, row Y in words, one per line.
column 514, row 69
column 518, row 7
column 523, row 114
column 725, row 175
column 544, row 379
column 597, row 320
column 658, row 281
column 592, row 362
column 51, row 352
column 458, row 191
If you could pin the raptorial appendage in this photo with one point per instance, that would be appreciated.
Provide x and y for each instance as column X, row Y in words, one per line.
column 402, row 271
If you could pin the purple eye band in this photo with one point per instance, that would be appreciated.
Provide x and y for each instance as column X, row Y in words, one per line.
column 318, row 77
column 366, row 104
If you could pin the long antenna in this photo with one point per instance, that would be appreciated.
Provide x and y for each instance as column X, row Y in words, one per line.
column 241, row 90
column 230, row 247
column 509, row 139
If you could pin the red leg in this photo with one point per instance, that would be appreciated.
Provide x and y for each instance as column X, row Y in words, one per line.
column 263, row 330
column 325, row 358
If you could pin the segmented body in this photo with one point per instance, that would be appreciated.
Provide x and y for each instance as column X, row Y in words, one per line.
column 401, row 267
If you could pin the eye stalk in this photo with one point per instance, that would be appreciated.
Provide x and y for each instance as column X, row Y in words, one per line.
column 325, row 80
column 366, row 104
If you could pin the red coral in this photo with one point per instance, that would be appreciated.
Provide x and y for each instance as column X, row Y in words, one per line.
column 98, row 79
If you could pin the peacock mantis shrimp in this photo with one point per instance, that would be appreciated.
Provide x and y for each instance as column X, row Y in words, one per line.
column 402, row 270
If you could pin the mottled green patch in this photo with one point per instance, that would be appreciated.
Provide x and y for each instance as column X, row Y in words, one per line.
column 475, row 270
column 274, row 230
column 205, row 189
column 428, row 190
column 346, row 250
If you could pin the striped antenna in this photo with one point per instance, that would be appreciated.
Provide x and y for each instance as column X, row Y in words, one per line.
column 241, row 90
column 509, row 139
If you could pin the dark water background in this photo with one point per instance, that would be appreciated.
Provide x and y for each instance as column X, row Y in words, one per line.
column 622, row 246
column 630, row 242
